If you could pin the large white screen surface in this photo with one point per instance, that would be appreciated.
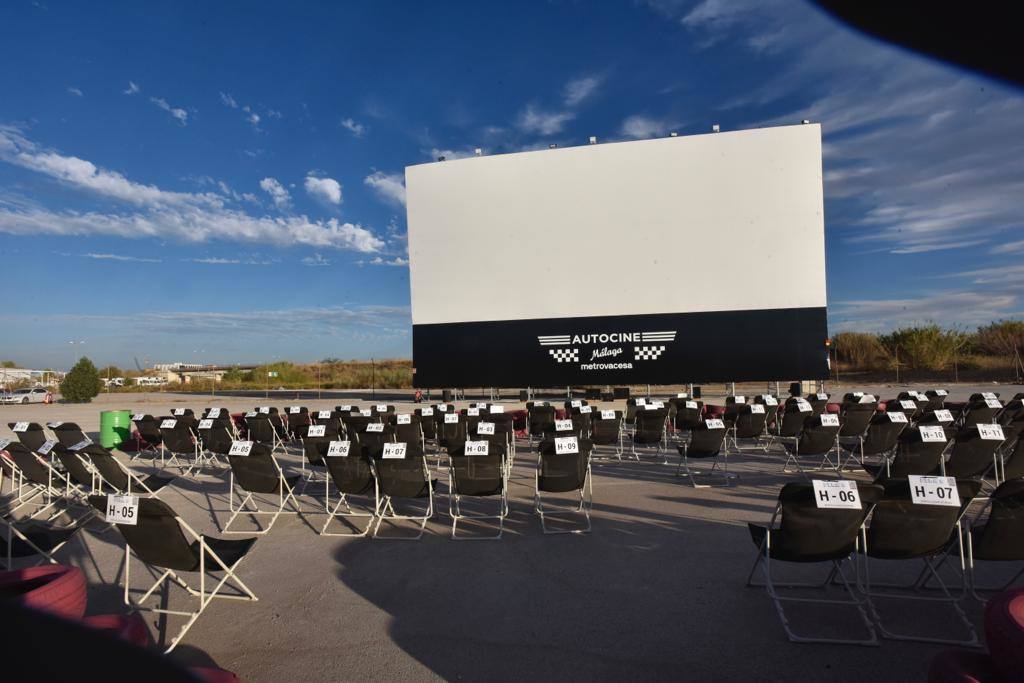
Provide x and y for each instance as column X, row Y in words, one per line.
column 684, row 224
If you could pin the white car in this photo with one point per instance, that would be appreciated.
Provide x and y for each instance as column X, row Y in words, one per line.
column 35, row 395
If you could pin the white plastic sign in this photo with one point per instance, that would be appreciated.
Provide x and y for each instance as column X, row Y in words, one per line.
column 213, row 412
column 20, row 427
column 426, row 412
column 346, row 408
column 4, row 443
column 168, row 424
column 394, row 450
column 316, row 430
column 477, row 448
column 54, row 425
column 841, row 494
column 81, row 444
column 375, row 427
column 932, row 434
column 323, row 415
column 575, row 404
column 829, row 420
column 265, row 410
column 822, row 397
column 485, row 428
column 607, row 414
column 46, row 447
column 714, row 424
column 692, row 405
column 988, row 395
column 451, row 418
column 566, row 444
column 771, row 401
column 866, row 398
column 382, row 408
column 803, row 406
column 206, row 424
column 641, row 401
column 682, row 394
column 294, row 410
column 990, row 432
column 339, row 449
column 897, row 417
column 122, row 510
column 993, row 403
column 658, row 404
column 403, row 419
column 943, row 416
column 650, row 406
column 442, row 408
column 138, row 416
column 178, row 411
column 251, row 413
column 472, row 411
column 941, row 392
column 563, row 425
column 908, row 405
column 585, row 410
column 757, row 408
column 497, row 409
column 240, row 448
column 739, row 399
column 933, row 491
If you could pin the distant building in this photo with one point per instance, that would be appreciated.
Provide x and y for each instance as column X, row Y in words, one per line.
column 165, row 367
column 18, row 375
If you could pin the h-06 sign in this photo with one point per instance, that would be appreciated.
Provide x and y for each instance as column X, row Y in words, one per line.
column 841, row 494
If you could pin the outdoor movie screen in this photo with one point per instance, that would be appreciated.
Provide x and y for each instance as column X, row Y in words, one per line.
column 681, row 259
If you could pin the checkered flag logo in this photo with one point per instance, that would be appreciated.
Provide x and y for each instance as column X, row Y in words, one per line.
column 565, row 355
column 647, row 352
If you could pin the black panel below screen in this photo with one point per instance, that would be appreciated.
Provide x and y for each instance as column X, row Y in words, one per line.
column 719, row 346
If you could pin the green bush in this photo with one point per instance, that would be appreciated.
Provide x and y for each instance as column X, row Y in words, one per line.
column 1001, row 338
column 82, row 383
column 859, row 350
column 924, row 348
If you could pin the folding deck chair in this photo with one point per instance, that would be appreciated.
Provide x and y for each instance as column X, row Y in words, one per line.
column 254, row 470
column 402, row 473
column 705, row 442
column 30, row 434
column 352, row 475
column 563, row 466
column 118, row 477
column 478, row 469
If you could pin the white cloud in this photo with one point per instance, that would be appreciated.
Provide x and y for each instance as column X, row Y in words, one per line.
column 640, row 126
column 77, row 92
column 580, row 89
column 316, row 260
column 967, row 308
column 180, row 114
column 120, row 257
column 396, row 261
column 538, row 121
column 357, row 129
column 215, row 261
column 228, row 100
column 254, row 119
column 273, row 113
column 277, row 192
column 325, row 189
column 132, row 89
column 388, row 186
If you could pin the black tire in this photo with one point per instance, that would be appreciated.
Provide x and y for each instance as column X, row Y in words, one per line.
column 24, row 401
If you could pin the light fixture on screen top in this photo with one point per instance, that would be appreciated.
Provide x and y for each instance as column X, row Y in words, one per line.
column 673, row 134
column 715, row 128
column 440, row 158
column 552, row 146
column 593, row 139
column 805, row 121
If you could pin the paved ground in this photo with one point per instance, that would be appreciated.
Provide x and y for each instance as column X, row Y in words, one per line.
column 655, row 592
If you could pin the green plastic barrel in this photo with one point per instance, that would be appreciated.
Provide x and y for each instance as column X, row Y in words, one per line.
column 115, row 427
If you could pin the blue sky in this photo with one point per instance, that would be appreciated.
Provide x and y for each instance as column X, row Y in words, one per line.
column 222, row 182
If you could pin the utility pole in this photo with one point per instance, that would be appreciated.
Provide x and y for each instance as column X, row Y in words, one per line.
column 373, row 379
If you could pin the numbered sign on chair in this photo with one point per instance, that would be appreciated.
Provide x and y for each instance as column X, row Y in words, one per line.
column 691, row 405
column 575, row 404
column 829, row 420
column 650, row 406
column 641, row 401
column 739, row 399
column 682, row 394
column 20, row 427
column 81, row 444
column 821, row 397
column 451, row 418
column 841, row 494
column 941, row 392
column 657, row 404
column 714, row 423
column 866, row 398
column 316, row 430
column 497, row 409
column 586, row 410
column 45, row 448
column 932, row 434
column 169, row 423
column 485, row 428
column 563, row 425
column 339, row 449
column 251, row 413
column 993, row 403
column 54, row 425
column 477, row 448
column 897, row 417
column 375, row 427
column 240, row 448
column 138, row 416
column 426, row 412
column 771, row 401
column 4, row 443
column 442, row 408
column 803, row 406
column 382, row 407
column 943, row 415
column 607, row 414
column 178, row 411
column 933, row 491
column 213, row 412
column 757, row 408
column 991, row 432
column 347, row 408
column 294, row 410
column 988, row 395
column 323, row 415
column 122, row 510
column 404, row 419
column 206, row 423
column 908, row 405
column 265, row 410
column 566, row 444
column 393, row 450
column 472, row 411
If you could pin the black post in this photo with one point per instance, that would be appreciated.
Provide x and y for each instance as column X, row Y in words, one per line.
column 373, row 379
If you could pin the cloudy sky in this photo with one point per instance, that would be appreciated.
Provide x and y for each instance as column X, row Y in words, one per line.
column 223, row 182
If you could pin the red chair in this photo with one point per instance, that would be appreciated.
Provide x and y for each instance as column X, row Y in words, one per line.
column 51, row 588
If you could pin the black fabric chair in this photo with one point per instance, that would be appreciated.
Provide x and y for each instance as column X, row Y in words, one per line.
column 649, row 430
column 818, row 401
column 40, row 487
column 749, row 424
column 34, row 539
column 298, row 419
column 706, row 443
column 119, row 478
column 971, row 456
column 408, row 428
column 936, row 398
column 979, row 409
column 352, row 475
column 879, row 440
column 478, row 469
column 564, row 472
column 262, row 428
column 403, row 478
column 540, row 419
column 855, row 418
column 899, row 529
column 30, row 434
column 330, row 420
column 997, row 537
column 919, row 451
column 452, row 431
column 800, row 532
column 427, row 423
column 165, row 543
column 606, row 430
column 257, row 472
column 68, row 433
column 795, row 412
column 149, row 437
column 1013, row 462
column 179, row 440
column 215, row 438
column 817, row 438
